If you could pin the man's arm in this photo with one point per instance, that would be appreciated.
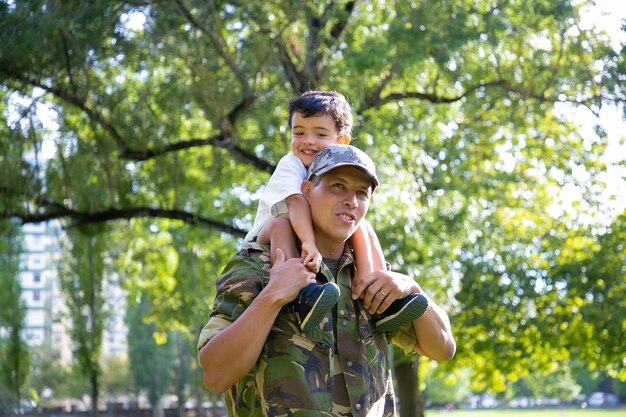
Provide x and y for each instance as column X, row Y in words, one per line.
column 432, row 330
column 434, row 334
column 229, row 355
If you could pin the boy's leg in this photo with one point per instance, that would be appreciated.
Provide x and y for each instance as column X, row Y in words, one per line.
column 279, row 234
column 315, row 300
column 368, row 253
column 402, row 312
column 369, row 258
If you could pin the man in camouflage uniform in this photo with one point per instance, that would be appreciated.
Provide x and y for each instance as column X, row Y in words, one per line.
column 252, row 348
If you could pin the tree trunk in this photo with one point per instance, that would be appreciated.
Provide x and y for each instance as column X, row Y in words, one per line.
column 94, row 393
column 18, row 365
column 411, row 399
column 93, row 312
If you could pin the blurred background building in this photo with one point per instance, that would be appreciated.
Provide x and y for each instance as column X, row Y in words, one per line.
column 47, row 323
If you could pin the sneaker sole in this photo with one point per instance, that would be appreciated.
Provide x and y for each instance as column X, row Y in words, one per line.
column 411, row 311
column 325, row 302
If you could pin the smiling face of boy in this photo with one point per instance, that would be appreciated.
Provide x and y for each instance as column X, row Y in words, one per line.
column 310, row 135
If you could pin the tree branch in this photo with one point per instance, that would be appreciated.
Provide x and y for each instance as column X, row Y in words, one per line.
column 310, row 76
column 339, row 28
column 223, row 139
column 378, row 101
column 297, row 80
column 217, row 44
column 74, row 100
column 110, row 214
column 315, row 52
column 217, row 140
column 68, row 65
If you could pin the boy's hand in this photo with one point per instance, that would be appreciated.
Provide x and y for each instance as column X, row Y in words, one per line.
column 312, row 257
column 287, row 278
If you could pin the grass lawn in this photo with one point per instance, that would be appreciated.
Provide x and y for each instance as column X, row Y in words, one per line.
column 553, row 412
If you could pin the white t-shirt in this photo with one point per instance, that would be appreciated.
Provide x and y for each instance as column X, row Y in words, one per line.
column 285, row 181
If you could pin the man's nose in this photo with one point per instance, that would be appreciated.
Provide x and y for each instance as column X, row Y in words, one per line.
column 351, row 200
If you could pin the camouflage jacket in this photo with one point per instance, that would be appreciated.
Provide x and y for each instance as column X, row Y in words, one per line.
column 341, row 368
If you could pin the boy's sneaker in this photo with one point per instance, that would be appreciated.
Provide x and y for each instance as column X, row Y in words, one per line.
column 401, row 312
column 314, row 302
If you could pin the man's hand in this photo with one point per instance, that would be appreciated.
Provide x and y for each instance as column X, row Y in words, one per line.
column 287, row 278
column 381, row 288
column 312, row 256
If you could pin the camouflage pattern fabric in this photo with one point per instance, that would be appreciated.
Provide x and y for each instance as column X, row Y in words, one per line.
column 335, row 156
column 306, row 374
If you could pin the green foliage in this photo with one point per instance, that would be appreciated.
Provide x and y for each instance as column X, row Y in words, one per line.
column 556, row 383
column 150, row 353
column 168, row 117
column 82, row 275
column 14, row 354
column 116, row 379
column 49, row 379
column 448, row 389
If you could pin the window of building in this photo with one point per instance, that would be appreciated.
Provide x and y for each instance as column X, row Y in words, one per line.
column 37, row 277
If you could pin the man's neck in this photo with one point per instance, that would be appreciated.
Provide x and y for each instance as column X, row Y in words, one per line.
column 331, row 251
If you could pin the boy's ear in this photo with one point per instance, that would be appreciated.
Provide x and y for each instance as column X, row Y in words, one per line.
column 344, row 140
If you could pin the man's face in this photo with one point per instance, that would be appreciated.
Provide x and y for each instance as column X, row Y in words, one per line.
column 338, row 204
column 310, row 135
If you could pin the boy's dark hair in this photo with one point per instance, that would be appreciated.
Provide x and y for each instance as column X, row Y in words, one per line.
column 316, row 103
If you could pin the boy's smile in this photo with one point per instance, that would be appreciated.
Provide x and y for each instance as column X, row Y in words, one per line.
column 310, row 135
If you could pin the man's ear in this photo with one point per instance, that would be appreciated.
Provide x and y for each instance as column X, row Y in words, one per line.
column 306, row 188
column 344, row 140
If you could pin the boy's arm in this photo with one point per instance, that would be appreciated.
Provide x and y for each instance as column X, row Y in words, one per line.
column 302, row 224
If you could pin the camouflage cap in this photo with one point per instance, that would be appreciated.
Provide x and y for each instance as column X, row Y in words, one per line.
column 335, row 156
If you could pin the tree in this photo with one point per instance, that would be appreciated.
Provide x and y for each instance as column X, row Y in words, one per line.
column 149, row 352
column 171, row 115
column 81, row 276
column 49, row 378
column 182, row 369
column 116, row 379
column 13, row 349
column 448, row 389
column 558, row 383
column 406, row 370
